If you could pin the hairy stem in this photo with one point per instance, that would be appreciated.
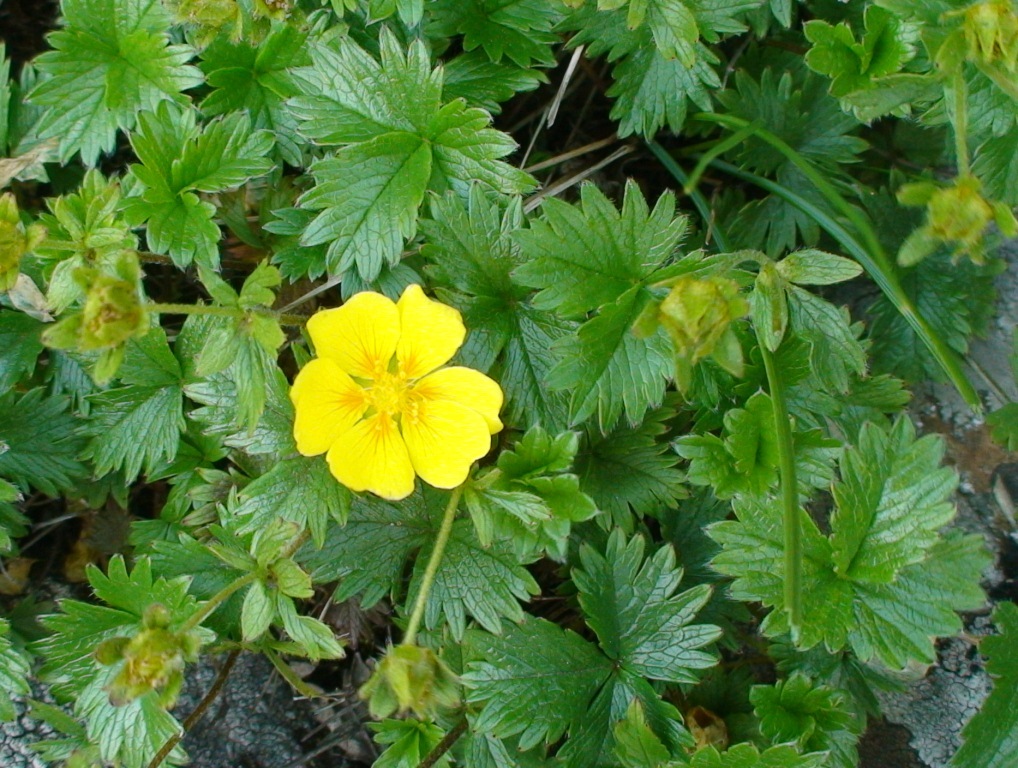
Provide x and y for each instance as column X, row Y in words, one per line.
column 444, row 745
column 961, row 122
column 199, row 710
column 217, row 311
column 217, row 600
column 435, row 560
column 791, row 524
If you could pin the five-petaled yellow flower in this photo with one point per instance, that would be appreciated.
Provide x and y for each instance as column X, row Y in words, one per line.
column 377, row 400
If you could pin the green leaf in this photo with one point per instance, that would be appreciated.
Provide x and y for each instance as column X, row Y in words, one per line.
column 584, row 257
column 815, row 718
column 894, row 622
column 991, row 736
column 835, row 350
column 13, row 524
column 636, row 745
column 39, row 442
column 1004, row 423
column 743, row 461
column 14, row 671
column 368, row 558
column 539, row 681
column 996, row 166
column 258, row 79
column 138, row 426
column 486, row 84
column 20, row 345
column 519, row 30
column 640, row 621
column 368, row 195
column 410, row 741
column 891, row 501
column 398, row 141
column 537, row 693
column 812, row 267
column 748, row 756
column 178, row 161
column 472, row 253
column 630, row 469
column 300, row 490
column 100, row 75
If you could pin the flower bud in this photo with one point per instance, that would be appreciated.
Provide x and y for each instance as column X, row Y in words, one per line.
column 410, row 678
column 959, row 213
column 15, row 241
column 991, row 34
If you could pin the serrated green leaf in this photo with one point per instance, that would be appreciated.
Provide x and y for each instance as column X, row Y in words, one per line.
column 835, row 349
column 368, row 195
column 815, row 718
column 894, row 622
column 996, row 166
column 892, row 499
column 583, row 257
column 101, row 74
column 410, row 741
column 812, row 267
column 519, row 30
column 1004, row 424
column 14, row 671
column 257, row 612
column 138, row 426
column 629, row 469
column 748, row 756
column 368, row 558
column 472, row 254
column 636, row 745
column 179, row 160
column 300, row 490
column 640, row 621
column 486, row 84
column 991, row 736
column 40, row 442
column 258, row 79
column 20, row 345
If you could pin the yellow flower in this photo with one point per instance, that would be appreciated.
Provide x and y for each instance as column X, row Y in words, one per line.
column 378, row 402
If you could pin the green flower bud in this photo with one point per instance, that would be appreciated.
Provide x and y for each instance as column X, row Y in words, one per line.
column 410, row 678
column 697, row 314
column 991, row 34
column 15, row 241
column 154, row 659
column 959, row 213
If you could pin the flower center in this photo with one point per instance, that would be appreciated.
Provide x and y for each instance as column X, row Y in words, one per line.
column 388, row 394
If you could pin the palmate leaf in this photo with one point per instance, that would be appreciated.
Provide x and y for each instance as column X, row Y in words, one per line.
column 629, row 470
column 368, row 558
column 540, row 681
column 595, row 257
column 397, row 141
column 258, row 79
column 486, row 84
column 179, row 160
column 888, row 613
column 650, row 90
column 472, row 254
column 110, row 61
column 815, row 718
column 519, row 30
column 991, row 736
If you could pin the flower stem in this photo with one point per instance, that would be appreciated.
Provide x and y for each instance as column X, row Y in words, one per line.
column 429, row 573
column 789, row 494
column 217, row 600
column 217, row 311
column 961, row 123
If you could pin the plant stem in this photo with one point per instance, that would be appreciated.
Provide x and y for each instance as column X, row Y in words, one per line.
column 217, row 600
column 217, row 311
column 444, row 745
column 435, row 560
column 961, row 123
column 789, row 493
column 199, row 710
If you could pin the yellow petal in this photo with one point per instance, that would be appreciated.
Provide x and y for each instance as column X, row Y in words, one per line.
column 467, row 387
column 359, row 336
column 373, row 457
column 443, row 440
column 430, row 333
column 327, row 403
